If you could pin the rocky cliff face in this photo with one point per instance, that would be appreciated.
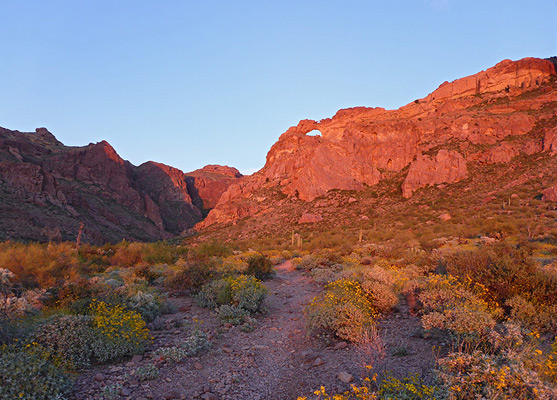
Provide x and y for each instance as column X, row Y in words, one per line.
column 477, row 119
column 209, row 183
column 46, row 185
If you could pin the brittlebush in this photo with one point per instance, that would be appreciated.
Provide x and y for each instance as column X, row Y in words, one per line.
column 123, row 332
column 343, row 310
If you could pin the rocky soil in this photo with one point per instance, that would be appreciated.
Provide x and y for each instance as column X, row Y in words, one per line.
column 277, row 360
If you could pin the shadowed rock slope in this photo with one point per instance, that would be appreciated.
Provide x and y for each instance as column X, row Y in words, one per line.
column 47, row 189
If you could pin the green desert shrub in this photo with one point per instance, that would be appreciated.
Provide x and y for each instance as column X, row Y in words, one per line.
column 260, row 266
column 243, row 291
column 505, row 271
column 196, row 343
column 147, row 372
column 307, row 262
column 172, row 354
column 149, row 305
column 232, row 314
column 110, row 332
column 28, row 373
column 541, row 318
column 212, row 249
column 146, row 272
column 342, row 310
column 190, row 276
column 71, row 338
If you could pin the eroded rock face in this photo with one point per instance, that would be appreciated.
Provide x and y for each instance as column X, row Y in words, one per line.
column 167, row 188
column 46, row 184
column 206, row 185
column 445, row 167
column 550, row 141
column 507, row 75
column 359, row 146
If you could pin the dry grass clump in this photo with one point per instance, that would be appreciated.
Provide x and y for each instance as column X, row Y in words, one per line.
column 39, row 265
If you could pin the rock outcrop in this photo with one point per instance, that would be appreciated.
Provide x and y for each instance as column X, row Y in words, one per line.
column 168, row 188
column 476, row 119
column 550, row 194
column 508, row 76
column 550, row 141
column 206, row 185
column 310, row 218
column 445, row 167
column 44, row 184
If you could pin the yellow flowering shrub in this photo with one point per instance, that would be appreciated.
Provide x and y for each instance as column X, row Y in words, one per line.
column 483, row 376
column 408, row 388
column 245, row 292
column 390, row 388
column 453, row 307
column 29, row 373
column 549, row 365
column 234, row 264
column 355, row 393
column 343, row 310
column 124, row 332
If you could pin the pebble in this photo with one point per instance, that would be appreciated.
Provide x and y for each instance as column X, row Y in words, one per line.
column 99, row 377
column 345, row 377
column 227, row 350
column 340, row 346
column 137, row 358
column 198, row 366
column 307, row 355
column 173, row 394
column 318, row 362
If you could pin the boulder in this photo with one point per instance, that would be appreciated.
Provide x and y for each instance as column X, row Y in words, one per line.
column 550, row 194
column 310, row 218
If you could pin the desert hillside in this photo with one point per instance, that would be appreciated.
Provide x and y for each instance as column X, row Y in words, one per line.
column 47, row 190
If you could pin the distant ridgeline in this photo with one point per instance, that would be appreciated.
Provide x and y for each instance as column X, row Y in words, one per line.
column 494, row 128
column 47, row 189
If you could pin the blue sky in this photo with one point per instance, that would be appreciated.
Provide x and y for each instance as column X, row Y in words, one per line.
column 190, row 83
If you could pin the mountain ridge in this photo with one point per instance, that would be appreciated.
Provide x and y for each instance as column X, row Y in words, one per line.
column 456, row 132
column 473, row 117
column 47, row 187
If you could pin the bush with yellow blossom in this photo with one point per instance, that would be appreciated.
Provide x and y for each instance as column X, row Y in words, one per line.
column 343, row 310
column 123, row 332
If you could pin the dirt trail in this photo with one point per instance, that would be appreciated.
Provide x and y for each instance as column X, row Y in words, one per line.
column 277, row 361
